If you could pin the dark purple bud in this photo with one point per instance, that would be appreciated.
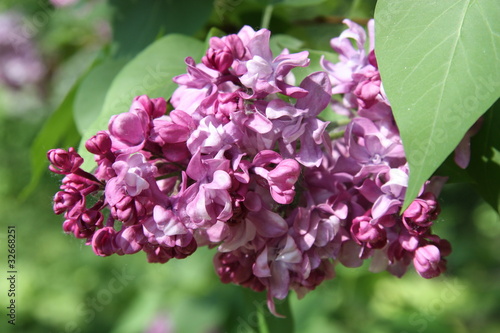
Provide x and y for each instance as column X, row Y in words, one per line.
column 103, row 242
column 181, row 252
column 123, row 210
column 64, row 162
column 71, row 226
column 234, row 267
column 364, row 231
column 421, row 213
column 220, row 60
column 99, row 144
column 67, row 200
column 90, row 219
column 158, row 254
column 129, row 240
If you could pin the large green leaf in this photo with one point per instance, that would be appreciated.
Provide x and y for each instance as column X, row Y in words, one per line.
column 301, row 3
column 290, row 3
column 279, row 42
column 314, row 64
column 136, row 24
column 149, row 73
column 484, row 167
column 362, row 8
column 440, row 65
column 90, row 96
column 59, row 129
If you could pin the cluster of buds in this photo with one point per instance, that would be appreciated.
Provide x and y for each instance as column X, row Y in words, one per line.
column 243, row 164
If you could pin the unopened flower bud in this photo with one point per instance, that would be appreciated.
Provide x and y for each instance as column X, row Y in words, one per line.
column 64, row 162
column 99, row 144
column 103, row 242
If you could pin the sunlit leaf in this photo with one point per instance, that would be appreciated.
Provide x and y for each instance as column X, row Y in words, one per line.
column 149, row 73
column 362, row 8
column 90, row 96
column 280, row 42
column 314, row 64
column 59, row 130
column 440, row 65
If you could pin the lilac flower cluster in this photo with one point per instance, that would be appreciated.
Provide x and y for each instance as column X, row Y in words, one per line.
column 244, row 164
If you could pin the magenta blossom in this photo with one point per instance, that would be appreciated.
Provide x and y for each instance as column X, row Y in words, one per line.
column 427, row 261
column 64, row 162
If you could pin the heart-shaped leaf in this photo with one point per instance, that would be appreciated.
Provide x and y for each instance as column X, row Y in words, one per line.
column 440, row 66
column 149, row 73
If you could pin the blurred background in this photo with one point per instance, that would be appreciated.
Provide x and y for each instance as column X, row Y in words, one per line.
column 63, row 287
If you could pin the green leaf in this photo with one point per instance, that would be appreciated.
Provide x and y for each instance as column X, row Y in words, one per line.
column 440, row 65
column 484, row 166
column 362, row 8
column 136, row 24
column 280, row 42
column 143, row 306
column 90, row 96
column 149, row 73
column 256, row 307
column 455, row 174
column 314, row 65
column 290, row 3
column 214, row 32
column 300, row 3
column 59, row 130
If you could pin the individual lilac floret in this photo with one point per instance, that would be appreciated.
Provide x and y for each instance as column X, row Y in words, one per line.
column 103, row 242
column 273, row 267
column 64, row 162
column 427, row 261
column 352, row 59
column 299, row 123
column 281, row 179
column 356, row 75
column 134, row 189
column 265, row 74
column 223, row 52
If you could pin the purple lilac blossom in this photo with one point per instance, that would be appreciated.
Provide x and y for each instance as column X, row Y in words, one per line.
column 238, row 167
column 63, row 3
column 20, row 61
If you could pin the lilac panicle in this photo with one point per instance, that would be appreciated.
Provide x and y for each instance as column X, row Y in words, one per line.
column 243, row 164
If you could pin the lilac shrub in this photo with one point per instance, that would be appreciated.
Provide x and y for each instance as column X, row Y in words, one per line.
column 243, row 164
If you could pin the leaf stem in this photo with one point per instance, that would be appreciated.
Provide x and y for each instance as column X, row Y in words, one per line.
column 266, row 17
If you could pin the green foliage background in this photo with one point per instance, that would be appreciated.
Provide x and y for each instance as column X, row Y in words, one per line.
column 63, row 287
